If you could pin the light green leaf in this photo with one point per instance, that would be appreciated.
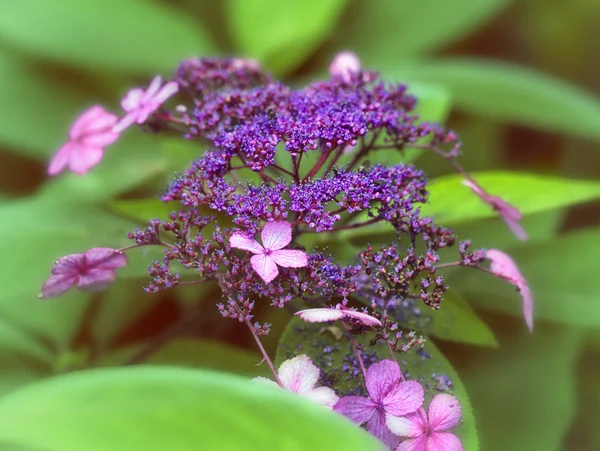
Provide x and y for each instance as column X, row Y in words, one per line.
column 329, row 351
column 281, row 34
column 386, row 30
column 508, row 93
column 158, row 408
column 141, row 210
column 13, row 339
column 104, row 34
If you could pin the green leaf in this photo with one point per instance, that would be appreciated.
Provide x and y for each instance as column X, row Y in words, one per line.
column 141, row 210
column 328, row 352
column 561, row 272
column 158, row 408
column 281, row 34
column 104, row 34
column 389, row 29
column 451, row 202
column 508, row 93
column 13, row 339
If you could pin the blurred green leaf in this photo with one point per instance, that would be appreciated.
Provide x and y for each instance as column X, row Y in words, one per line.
column 131, row 36
column 561, row 272
column 158, row 408
column 386, row 30
column 509, row 93
column 141, row 210
column 281, row 34
column 13, row 339
column 328, row 353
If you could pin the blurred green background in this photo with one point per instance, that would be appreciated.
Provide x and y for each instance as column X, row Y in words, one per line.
column 517, row 80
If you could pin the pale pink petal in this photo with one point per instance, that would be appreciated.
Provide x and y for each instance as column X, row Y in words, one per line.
column 516, row 228
column 357, row 408
column 299, row 374
column 265, row 267
column 324, row 396
column 132, row 100
column 105, row 258
column 125, row 122
column 476, row 188
column 264, row 380
column 404, row 398
column 276, row 235
column 377, row 427
column 444, row 412
column 167, row 91
column 443, row 441
column 527, row 304
column 239, row 241
column 60, row 159
column 101, row 124
column 320, row 315
column 344, row 65
column 364, row 318
column 56, row 285
column 415, row 444
column 99, row 139
column 83, row 158
column 290, row 258
column 86, row 120
column 381, row 378
column 95, row 280
column 152, row 89
column 412, row 425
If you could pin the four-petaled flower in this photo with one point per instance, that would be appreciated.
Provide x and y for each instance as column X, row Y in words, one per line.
column 431, row 434
column 509, row 213
column 388, row 394
column 300, row 375
column 504, row 266
column 89, row 134
column 275, row 236
column 93, row 270
column 324, row 315
column 139, row 104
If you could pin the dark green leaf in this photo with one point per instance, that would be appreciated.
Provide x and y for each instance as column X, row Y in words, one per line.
column 158, row 408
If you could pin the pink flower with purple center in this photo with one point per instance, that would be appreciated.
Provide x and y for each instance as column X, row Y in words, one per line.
column 300, row 375
column 89, row 134
column 92, row 271
column 388, row 394
column 429, row 432
column 140, row 104
column 275, row 236
column 324, row 315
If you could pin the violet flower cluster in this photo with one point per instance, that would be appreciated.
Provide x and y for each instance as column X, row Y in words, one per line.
column 288, row 169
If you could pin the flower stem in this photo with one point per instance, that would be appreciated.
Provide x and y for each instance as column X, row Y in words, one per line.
column 263, row 352
column 356, row 350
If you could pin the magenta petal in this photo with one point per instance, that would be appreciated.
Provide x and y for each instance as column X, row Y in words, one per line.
column 167, row 91
column 57, row 285
column 276, row 235
column 60, row 159
column 377, row 427
column 527, row 305
column 364, row 318
column 83, row 158
column 357, row 408
column 412, row 425
column 239, row 241
column 152, row 89
column 320, row 315
column 132, row 99
column 516, row 228
column 416, row 444
column 381, row 378
column 444, row 412
column 125, row 122
column 443, row 441
column 404, row 398
column 105, row 258
column 290, row 258
column 68, row 264
column 96, row 280
column 85, row 121
column 265, row 267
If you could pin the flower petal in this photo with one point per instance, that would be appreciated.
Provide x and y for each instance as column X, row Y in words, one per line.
column 323, row 395
column 86, row 120
column 83, row 158
column 167, row 91
column 412, row 425
column 377, row 427
column 264, row 380
column 320, row 315
column 299, row 374
column 60, row 159
column 276, row 235
column 152, row 89
column 443, row 441
column 444, row 412
column 105, row 258
column 265, row 267
column 516, row 228
column 56, row 285
column 364, row 318
column 404, row 398
column 415, row 444
column 132, row 100
column 239, row 241
column 382, row 377
column 96, row 279
column 357, row 408
column 100, row 139
column 290, row 258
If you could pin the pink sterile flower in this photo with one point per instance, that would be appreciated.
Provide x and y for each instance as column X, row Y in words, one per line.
column 275, row 236
column 509, row 213
column 139, row 104
column 300, row 375
column 388, row 394
column 89, row 134
column 324, row 315
column 504, row 266
column 429, row 434
column 345, row 65
column 93, row 270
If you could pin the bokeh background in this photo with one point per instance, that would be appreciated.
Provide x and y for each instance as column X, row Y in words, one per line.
column 518, row 81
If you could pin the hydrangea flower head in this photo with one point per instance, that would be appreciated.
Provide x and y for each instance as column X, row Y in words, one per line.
column 388, row 394
column 275, row 236
column 429, row 432
column 300, row 375
column 139, row 104
column 89, row 134
column 93, row 270
column 324, row 315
